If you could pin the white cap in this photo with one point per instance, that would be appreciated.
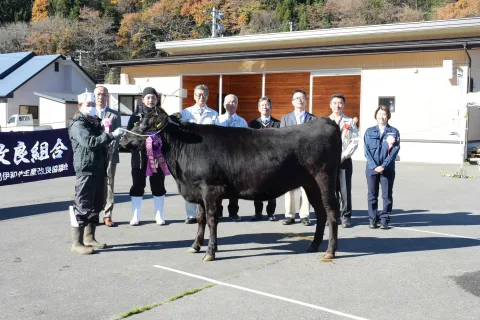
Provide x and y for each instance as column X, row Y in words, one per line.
column 86, row 97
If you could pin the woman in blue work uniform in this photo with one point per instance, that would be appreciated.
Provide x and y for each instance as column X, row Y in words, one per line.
column 382, row 143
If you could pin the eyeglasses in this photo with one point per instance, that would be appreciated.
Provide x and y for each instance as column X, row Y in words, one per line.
column 298, row 99
column 201, row 95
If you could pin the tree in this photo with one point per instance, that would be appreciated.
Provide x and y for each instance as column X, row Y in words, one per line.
column 262, row 22
column 40, row 10
column 15, row 10
column 13, row 37
column 52, row 35
column 94, row 34
column 138, row 32
column 60, row 8
column 459, row 9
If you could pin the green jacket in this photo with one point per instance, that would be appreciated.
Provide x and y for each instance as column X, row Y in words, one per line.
column 89, row 144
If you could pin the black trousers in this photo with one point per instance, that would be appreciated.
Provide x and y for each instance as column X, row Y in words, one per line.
column 374, row 179
column 139, row 178
column 89, row 199
column 345, row 179
column 233, row 207
column 271, row 205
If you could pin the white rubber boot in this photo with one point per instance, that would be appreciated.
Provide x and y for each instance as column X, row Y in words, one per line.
column 158, row 205
column 137, row 210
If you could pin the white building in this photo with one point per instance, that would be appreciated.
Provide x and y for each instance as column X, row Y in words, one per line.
column 424, row 68
column 24, row 77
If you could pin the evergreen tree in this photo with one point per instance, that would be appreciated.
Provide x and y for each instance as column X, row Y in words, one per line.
column 15, row 10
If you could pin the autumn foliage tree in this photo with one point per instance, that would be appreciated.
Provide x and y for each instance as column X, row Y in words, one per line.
column 52, row 35
column 459, row 9
column 138, row 32
column 40, row 10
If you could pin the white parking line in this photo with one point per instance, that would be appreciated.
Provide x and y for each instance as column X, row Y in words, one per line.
column 346, row 315
column 432, row 232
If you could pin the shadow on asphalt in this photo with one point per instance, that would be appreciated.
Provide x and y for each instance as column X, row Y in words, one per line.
column 281, row 244
column 287, row 246
column 42, row 208
column 419, row 218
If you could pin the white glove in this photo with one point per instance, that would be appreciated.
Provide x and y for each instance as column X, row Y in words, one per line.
column 117, row 132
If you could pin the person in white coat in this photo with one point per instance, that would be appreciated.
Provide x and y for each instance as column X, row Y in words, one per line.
column 199, row 113
column 231, row 119
column 350, row 135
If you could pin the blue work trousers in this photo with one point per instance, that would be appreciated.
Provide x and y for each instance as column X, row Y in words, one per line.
column 374, row 179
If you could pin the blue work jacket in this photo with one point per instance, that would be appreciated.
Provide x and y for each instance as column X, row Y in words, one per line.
column 381, row 150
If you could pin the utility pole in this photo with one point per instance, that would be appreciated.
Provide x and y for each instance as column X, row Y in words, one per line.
column 80, row 56
column 217, row 28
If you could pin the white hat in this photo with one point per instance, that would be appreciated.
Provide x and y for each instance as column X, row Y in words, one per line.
column 86, row 97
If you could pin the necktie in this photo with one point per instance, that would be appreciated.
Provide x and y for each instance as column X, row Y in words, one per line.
column 229, row 121
column 200, row 111
column 265, row 122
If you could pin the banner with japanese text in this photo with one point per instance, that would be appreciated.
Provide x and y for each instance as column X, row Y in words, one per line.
column 35, row 155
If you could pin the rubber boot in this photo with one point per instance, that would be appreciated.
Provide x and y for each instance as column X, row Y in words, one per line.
column 137, row 210
column 77, row 238
column 158, row 205
column 89, row 237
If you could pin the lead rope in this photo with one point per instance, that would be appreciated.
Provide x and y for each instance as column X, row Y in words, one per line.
column 149, row 135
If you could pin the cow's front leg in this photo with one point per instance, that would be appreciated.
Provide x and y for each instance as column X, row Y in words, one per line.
column 201, row 220
column 212, row 212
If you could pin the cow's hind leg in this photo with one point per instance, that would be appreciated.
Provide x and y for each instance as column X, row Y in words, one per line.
column 327, row 181
column 212, row 213
column 315, row 199
column 201, row 220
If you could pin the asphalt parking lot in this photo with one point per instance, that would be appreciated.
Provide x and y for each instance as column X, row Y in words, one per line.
column 427, row 266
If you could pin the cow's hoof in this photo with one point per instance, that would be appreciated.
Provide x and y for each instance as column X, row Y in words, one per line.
column 329, row 255
column 193, row 250
column 208, row 258
column 311, row 249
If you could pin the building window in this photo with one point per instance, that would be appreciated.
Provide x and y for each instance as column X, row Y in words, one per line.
column 127, row 104
column 57, row 66
column 387, row 102
column 33, row 110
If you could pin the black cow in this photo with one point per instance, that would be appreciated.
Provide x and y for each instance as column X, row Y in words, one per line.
column 211, row 163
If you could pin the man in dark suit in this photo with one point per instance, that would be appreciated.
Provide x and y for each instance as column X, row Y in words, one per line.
column 266, row 121
column 104, row 112
column 298, row 116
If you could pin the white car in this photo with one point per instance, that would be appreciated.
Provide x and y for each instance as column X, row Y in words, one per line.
column 23, row 122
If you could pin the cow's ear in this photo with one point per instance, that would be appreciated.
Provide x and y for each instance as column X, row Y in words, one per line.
column 176, row 116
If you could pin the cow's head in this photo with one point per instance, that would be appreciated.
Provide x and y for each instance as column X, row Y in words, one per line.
column 154, row 122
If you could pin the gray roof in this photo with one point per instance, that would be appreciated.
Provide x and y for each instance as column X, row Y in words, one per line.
column 22, row 68
column 8, row 61
column 58, row 96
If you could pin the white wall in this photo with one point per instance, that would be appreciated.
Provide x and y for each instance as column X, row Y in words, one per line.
column 52, row 113
column 70, row 110
column 113, row 101
column 426, row 108
column 166, row 85
column 3, row 113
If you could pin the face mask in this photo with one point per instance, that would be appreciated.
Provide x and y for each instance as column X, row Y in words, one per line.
column 89, row 111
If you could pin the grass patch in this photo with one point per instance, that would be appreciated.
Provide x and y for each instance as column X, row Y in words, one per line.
column 178, row 296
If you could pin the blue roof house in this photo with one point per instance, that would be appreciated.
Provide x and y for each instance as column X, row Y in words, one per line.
column 44, row 86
